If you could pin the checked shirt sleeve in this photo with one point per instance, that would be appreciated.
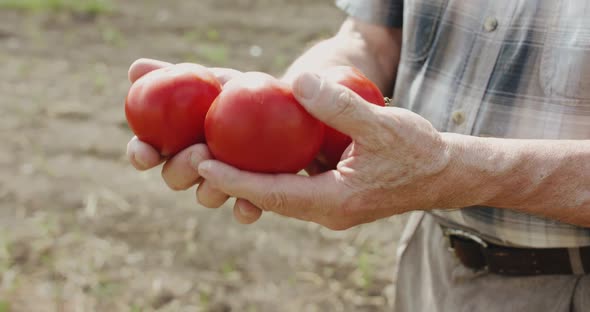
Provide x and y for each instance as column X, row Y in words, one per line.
column 384, row 12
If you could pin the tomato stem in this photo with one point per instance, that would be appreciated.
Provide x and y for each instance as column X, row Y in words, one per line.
column 388, row 101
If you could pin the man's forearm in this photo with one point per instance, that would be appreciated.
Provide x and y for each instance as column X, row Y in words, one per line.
column 372, row 49
column 549, row 178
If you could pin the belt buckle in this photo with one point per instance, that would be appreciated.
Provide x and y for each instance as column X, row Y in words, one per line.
column 448, row 233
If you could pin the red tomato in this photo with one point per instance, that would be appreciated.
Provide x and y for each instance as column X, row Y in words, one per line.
column 335, row 142
column 167, row 107
column 256, row 124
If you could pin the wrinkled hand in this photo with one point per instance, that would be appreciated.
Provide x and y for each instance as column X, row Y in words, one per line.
column 397, row 163
column 180, row 172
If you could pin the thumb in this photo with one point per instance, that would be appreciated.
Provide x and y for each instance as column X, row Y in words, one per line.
column 335, row 105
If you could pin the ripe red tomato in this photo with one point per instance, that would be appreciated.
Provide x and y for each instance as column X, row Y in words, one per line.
column 167, row 107
column 256, row 124
column 335, row 142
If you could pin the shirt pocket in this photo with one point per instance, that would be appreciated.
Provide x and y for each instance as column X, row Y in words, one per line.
column 421, row 23
column 565, row 63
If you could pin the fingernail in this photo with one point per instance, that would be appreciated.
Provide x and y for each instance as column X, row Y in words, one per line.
column 308, row 86
column 204, row 168
column 195, row 160
column 140, row 161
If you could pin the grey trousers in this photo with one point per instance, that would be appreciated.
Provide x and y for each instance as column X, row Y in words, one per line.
column 430, row 278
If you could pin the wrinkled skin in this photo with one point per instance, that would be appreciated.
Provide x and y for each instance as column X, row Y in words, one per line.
column 335, row 142
column 395, row 157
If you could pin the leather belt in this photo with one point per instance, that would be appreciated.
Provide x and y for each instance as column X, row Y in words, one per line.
column 477, row 254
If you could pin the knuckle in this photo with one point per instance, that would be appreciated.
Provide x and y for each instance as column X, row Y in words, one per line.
column 196, row 155
column 344, row 103
column 201, row 151
column 274, row 201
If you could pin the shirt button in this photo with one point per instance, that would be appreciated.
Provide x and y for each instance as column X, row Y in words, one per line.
column 458, row 117
column 490, row 24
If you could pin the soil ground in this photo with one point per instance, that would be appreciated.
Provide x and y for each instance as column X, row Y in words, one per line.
column 80, row 230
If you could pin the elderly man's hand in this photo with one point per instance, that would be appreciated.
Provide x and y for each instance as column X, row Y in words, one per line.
column 179, row 172
column 397, row 163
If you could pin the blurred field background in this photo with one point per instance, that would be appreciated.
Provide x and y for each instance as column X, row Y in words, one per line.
column 80, row 230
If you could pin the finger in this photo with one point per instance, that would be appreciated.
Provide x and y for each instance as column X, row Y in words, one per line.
column 142, row 155
column 209, row 196
column 180, row 172
column 295, row 196
column 224, row 74
column 143, row 66
column 245, row 212
column 336, row 105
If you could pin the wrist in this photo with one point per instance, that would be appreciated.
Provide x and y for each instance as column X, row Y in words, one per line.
column 470, row 177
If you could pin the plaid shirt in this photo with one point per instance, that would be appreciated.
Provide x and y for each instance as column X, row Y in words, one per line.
column 503, row 68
